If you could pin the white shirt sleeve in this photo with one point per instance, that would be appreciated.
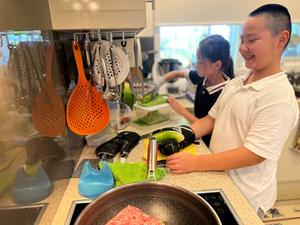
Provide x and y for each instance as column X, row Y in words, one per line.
column 214, row 109
column 269, row 129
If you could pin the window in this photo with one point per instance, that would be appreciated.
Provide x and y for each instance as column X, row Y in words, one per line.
column 293, row 48
column 15, row 38
column 181, row 42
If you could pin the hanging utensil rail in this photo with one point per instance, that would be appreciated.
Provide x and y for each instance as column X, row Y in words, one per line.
column 94, row 35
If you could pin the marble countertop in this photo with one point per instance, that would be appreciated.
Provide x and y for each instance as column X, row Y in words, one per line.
column 65, row 192
column 197, row 181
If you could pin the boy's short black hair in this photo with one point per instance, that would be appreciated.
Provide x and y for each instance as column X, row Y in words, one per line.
column 278, row 16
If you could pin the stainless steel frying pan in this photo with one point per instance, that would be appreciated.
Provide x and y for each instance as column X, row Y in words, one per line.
column 170, row 204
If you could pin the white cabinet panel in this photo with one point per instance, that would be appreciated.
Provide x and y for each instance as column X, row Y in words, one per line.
column 170, row 12
column 104, row 14
column 72, row 14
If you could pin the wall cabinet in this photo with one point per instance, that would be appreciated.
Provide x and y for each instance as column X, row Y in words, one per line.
column 72, row 15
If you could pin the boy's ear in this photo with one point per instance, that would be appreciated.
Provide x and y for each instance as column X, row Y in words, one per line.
column 284, row 38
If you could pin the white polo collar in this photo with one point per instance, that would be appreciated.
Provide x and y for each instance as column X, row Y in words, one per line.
column 217, row 87
column 262, row 83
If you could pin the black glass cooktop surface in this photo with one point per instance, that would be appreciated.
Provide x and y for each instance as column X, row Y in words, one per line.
column 216, row 199
column 221, row 205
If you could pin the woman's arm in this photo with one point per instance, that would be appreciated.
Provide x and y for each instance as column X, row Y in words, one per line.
column 175, row 74
column 178, row 108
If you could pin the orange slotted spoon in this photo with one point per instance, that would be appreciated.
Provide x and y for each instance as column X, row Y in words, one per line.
column 48, row 110
column 87, row 112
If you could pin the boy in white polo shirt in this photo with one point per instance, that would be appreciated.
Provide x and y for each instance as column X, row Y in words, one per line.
column 253, row 116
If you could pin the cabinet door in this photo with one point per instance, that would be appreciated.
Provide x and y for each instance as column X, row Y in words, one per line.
column 72, row 15
column 98, row 14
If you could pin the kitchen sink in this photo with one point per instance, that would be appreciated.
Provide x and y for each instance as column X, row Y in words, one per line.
column 22, row 215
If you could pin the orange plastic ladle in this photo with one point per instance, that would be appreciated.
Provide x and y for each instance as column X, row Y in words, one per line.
column 87, row 112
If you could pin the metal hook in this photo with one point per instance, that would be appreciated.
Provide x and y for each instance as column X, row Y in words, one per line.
column 111, row 37
column 16, row 41
column 75, row 38
column 123, row 36
column 87, row 37
column 135, row 37
column 1, row 41
column 99, row 35
column 9, row 45
column 123, row 42
column 41, row 37
column 47, row 36
column 93, row 33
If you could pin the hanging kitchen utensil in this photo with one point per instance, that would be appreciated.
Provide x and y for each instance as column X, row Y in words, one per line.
column 126, row 91
column 26, row 71
column 41, row 50
column 14, row 65
column 48, row 111
column 88, row 58
column 87, row 111
column 97, row 65
column 137, row 79
column 121, row 63
column 17, row 65
column 98, row 62
column 34, row 67
column 112, row 91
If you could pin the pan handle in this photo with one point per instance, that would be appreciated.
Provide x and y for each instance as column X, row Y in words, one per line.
column 152, row 158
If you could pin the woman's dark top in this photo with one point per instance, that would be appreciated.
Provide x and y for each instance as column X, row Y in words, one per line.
column 204, row 99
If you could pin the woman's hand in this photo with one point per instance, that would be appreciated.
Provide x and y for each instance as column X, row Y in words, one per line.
column 175, row 105
column 178, row 108
column 182, row 162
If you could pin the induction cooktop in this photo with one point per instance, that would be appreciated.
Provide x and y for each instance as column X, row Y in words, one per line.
column 215, row 198
column 219, row 202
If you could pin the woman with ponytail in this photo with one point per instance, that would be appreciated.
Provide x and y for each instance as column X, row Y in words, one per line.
column 214, row 70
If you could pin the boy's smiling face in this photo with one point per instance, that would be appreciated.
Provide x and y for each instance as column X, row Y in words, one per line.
column 259, row 47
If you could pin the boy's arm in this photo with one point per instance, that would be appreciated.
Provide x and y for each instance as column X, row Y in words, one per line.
column 203, row 126
column 231, row 159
